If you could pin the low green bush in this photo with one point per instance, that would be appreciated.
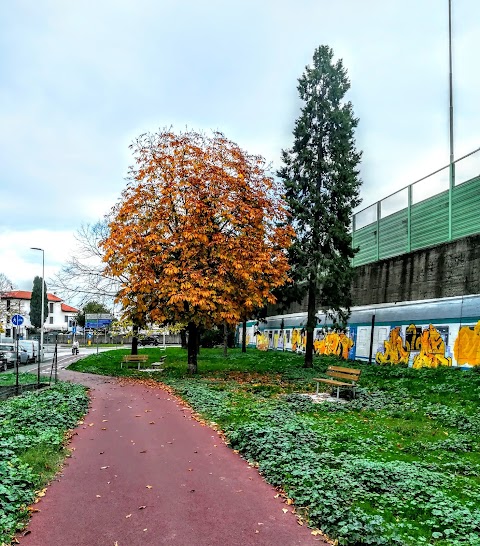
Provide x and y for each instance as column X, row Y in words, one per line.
column 32, row 434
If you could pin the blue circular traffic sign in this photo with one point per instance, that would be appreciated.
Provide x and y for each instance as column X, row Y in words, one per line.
column 17, row 320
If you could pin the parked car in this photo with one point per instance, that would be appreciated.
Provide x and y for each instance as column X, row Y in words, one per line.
column 149, row 340
column 10, row 352
column 31, row 346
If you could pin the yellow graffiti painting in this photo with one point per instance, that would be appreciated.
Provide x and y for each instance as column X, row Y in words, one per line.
column 432, row 350
column 412, row 338
column 467, row 346
column 262, row 342
column 296, row 340
column 395, row 352
column 334, row 344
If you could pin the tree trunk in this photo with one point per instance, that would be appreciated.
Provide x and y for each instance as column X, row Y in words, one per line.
column 198, row 340
column 135, row 340
column 311, row 321
column 192, row 348
column 183, row 337
column 244, row 336
column 225, row 339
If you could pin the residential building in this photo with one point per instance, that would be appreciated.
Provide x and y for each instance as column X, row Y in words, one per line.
column 60, row 317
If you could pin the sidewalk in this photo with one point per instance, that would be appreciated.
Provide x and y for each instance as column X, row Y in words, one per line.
column 144, row 472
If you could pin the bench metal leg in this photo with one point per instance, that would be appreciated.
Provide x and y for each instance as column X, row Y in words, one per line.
column 338, row 392
column 317, row 386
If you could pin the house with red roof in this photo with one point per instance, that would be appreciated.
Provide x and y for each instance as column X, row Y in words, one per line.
column 60, row 317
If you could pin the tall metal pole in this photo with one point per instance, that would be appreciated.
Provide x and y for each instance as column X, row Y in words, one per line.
column 450, row 81
column 450, row 77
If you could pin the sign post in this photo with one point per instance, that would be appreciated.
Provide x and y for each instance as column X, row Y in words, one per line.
column 95, row 321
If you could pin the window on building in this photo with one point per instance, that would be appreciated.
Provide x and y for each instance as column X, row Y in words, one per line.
column 8, row 305
column 51, row 308
column 51, row 320
column 66, row 319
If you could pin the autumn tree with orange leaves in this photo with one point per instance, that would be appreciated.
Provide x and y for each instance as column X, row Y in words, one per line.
column 200, row 232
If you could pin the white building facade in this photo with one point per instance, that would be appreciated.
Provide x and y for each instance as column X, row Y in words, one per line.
column 60, row 317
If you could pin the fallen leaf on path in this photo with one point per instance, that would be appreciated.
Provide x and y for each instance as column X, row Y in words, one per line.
column 102, row 452
column 91, row 424
column 151, row 423
column 98, row 496
column 289, row 501
column 284, row 510
column 104, row 428
column 137, row 415
column 316, row 532
column 149, row 486
column 141, row 507
column 144, row 451
column 128, row 516
column 104, row 467
column 104, row 420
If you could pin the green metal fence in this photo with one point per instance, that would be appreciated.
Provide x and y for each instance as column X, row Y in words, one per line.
column 437, row 208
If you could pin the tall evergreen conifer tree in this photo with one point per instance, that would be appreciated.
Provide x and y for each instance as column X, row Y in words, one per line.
column 36, row 303
column 321, row 178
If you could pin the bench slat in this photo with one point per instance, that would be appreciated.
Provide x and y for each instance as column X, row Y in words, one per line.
column 345, row 370
column 134, row 358
column 333, row 382
column 343, row 376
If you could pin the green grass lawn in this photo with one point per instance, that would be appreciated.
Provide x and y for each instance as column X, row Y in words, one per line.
column 399, row 465
column 32, row 433
column 8, row 379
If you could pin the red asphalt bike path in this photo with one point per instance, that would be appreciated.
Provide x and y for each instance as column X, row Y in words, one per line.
column 144, row 472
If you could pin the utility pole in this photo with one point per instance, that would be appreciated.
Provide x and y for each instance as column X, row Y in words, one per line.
column 452, row 160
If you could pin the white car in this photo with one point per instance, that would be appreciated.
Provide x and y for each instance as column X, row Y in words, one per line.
column 10, row 352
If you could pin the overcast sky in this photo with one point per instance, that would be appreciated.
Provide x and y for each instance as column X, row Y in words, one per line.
column 79, row 81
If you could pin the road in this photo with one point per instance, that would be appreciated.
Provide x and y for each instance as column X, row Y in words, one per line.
column 65, row 358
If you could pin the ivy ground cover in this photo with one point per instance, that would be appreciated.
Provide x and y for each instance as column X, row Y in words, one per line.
column 32, row 434
column 399, row 465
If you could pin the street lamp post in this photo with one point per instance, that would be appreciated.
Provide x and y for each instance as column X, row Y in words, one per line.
column 42, row 311
column 450, row 88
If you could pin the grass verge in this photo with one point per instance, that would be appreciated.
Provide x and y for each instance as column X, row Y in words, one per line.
column 32, row 437
column 399, row 465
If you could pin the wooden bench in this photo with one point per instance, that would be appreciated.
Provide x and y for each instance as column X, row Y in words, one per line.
column 133, row 358
column 350, row 374
column 159, row 364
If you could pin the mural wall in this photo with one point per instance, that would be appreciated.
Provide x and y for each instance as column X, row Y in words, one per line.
column 415, row 345
column 333, row 343
column 429, row 343
column 467, row 345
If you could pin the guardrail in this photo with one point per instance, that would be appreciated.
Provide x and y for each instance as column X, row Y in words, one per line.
column 437, row 208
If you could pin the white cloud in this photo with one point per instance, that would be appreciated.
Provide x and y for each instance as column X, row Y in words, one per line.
column 80, row 81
